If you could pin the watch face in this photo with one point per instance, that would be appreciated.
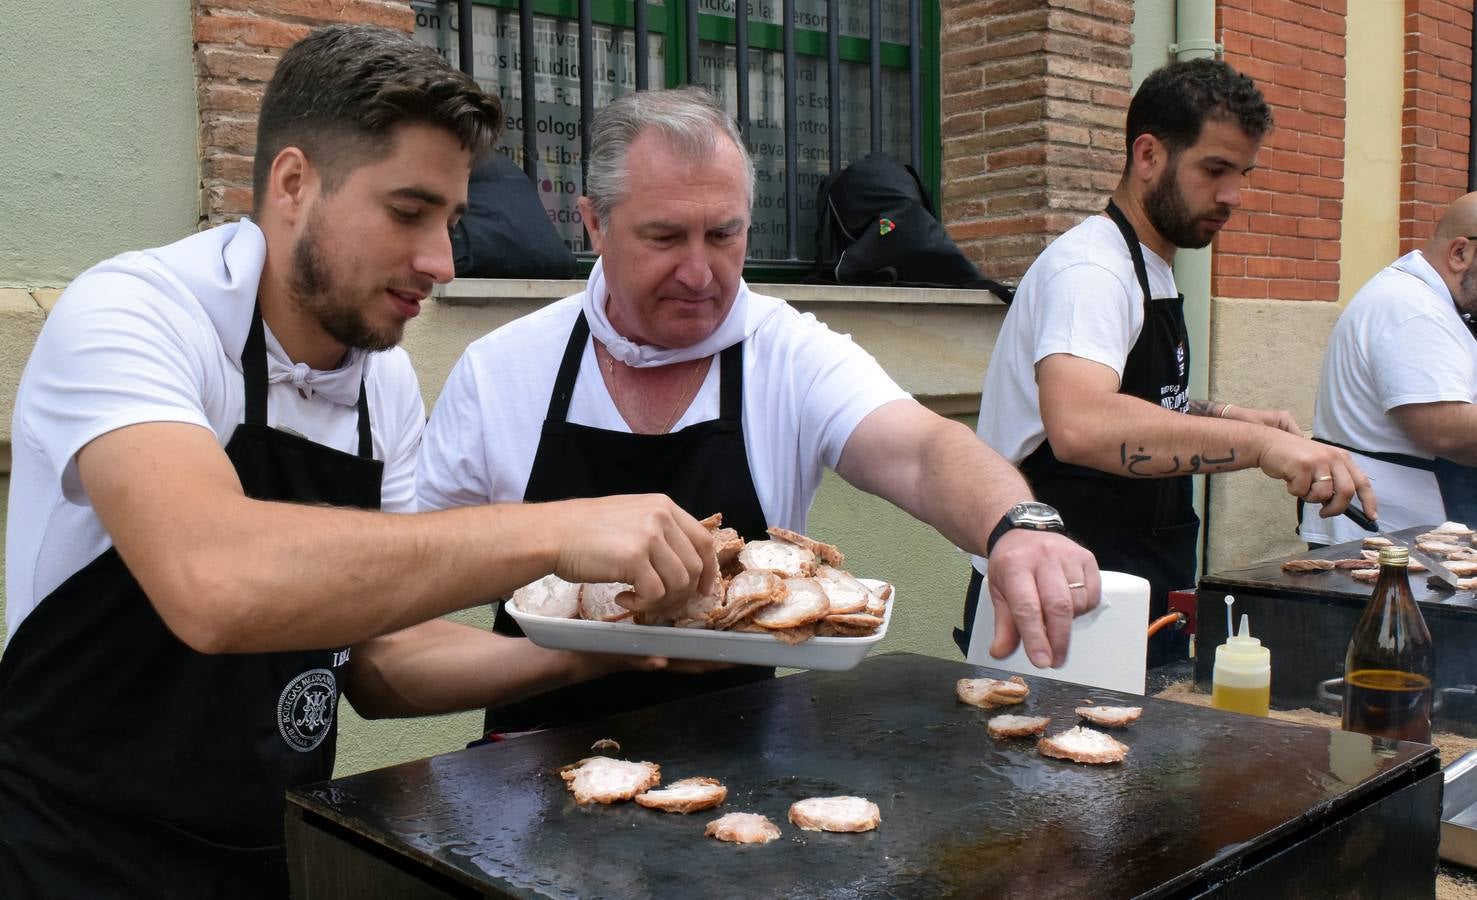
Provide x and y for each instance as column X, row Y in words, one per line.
column 1033, row 514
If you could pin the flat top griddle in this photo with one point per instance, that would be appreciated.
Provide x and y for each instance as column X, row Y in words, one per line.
column 1202, row 792
column 1334, row 585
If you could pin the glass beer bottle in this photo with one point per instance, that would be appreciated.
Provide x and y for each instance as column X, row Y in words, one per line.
column 1390, row 664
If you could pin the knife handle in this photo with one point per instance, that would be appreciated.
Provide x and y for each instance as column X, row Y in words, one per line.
column 1357, row 516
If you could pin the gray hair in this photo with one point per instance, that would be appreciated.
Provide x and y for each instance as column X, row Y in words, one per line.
column 690, row 118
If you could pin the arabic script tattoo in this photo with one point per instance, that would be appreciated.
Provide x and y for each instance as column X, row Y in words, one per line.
column 1143, row 465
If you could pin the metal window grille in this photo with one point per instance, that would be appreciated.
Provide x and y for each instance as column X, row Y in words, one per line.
column 813, row 85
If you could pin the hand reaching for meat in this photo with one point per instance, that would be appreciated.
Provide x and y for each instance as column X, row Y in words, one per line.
column 1031, row 580
column 646, row 541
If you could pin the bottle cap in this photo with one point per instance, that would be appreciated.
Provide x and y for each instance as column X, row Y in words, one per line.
column 1242, row 657
column 1394, row 556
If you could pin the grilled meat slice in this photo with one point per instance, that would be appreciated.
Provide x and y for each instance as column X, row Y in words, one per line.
column 989, row 693
column 835, row 814
column 742, row 828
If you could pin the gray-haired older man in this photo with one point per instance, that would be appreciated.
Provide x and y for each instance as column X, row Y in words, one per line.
column 667, row 374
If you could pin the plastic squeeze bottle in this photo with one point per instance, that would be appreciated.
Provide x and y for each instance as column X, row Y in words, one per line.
column 1242, row 678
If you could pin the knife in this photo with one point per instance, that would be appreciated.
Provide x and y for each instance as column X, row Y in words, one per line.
column 1357, row 516
column 1439, row 572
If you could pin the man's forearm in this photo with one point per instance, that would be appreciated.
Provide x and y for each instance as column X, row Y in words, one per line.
column 442, row 666
column 1214, row 409
column 1127, row 436
column 282, row 577
column 966, row 487
column 1447, row 429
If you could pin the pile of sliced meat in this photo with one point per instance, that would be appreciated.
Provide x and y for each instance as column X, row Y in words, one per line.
column 1452, row 542
column 790, row 587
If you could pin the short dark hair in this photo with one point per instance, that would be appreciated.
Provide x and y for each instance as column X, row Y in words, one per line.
column 340, row 92
column 1174, row 101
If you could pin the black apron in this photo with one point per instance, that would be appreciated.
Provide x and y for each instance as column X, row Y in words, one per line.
column 133, row 766
column 1144, row 526
column 704, row 468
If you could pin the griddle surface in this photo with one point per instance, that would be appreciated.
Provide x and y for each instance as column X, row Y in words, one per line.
column 1201, row 793
column 1337, row 584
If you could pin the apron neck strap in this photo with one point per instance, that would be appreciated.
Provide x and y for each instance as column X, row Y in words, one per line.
column 254, row 369
column 1131, row 238
column 254, row 379
column 730, row 373
column 569, row 368
column 731, row 383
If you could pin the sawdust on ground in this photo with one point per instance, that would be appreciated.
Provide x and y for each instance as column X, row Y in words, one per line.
column 1452, row 883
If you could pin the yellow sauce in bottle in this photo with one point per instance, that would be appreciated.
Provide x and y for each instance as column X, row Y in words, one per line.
column 1254, row 701
column 1242, row 678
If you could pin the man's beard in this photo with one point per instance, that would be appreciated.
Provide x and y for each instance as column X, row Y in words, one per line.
column 315, row 293
column 1466, row 299
column 1170, row 216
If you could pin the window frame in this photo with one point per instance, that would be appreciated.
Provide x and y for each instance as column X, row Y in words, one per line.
column 668, row 18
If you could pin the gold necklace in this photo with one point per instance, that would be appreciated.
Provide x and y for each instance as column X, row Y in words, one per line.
column 682, row 399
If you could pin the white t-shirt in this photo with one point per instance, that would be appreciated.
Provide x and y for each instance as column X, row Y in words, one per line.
column 156, row 336
column 1399, row 341
column 805, row 389
column 1080, row 297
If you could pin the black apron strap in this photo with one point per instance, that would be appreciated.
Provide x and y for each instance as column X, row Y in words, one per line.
column 1131, row 238
column 254, row 369
column 366, row 436
column 1399, row 459
column 569, row 369
column 731, row 384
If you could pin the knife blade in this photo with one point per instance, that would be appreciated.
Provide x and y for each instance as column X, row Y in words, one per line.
column 1439, row 572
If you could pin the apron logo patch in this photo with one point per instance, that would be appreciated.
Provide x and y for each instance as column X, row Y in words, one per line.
column 305, row 709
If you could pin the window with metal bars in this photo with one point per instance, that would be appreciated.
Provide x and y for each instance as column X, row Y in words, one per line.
column 809, row 87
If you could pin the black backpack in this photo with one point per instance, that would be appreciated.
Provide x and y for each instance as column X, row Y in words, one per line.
column 505, row 232
column 875, row 224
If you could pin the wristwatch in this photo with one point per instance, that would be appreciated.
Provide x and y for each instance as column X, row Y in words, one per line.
column 1028, row 514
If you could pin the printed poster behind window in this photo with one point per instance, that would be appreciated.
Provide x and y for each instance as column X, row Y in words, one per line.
column 498, row 70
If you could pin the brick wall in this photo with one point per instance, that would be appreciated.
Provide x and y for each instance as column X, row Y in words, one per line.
column 1033, row 93
column 1434, row 121
column 1284, row 242
column 237, row 45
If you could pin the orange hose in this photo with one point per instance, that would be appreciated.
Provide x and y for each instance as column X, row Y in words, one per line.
column 1174, row 618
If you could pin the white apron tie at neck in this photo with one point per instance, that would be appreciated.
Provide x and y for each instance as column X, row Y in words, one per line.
column 340, row 385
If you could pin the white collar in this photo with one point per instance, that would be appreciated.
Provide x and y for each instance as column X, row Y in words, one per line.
column 222, row 269
column 1416, row 265
column 749, row 310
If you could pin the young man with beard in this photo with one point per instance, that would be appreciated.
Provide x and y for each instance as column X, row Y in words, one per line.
column 1399, row 384
column 197, row 561
column 1087, row 386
